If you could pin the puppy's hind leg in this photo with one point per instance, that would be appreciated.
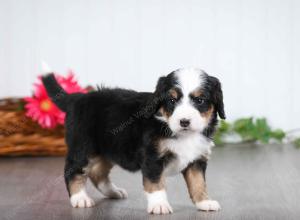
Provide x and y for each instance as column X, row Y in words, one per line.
column 75, row 180
column 98, row 170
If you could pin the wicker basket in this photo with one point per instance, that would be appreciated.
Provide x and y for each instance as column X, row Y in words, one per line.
column 20, row 136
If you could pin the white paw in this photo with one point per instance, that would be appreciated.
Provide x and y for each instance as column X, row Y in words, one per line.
column 160, row 208
column 208, row 205
column 81, row 200
column 158, row 203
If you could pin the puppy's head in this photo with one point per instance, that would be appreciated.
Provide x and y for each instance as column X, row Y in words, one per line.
column 189, row 100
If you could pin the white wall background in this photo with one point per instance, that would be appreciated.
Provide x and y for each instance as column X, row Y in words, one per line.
column 252, row 46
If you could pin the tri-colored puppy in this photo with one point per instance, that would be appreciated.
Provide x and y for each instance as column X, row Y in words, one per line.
column 162, row 133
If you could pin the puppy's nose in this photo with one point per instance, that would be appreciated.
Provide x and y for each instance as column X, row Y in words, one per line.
column 184, row 122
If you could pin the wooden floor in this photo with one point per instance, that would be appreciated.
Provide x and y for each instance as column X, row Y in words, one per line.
column 250, row 182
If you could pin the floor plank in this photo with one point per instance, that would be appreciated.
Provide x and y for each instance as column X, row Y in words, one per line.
column 250, row 182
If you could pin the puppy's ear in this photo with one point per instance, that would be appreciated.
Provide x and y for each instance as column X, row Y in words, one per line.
column 160, row 92
column 217, row 96
column 155, row 102
column 160, row 86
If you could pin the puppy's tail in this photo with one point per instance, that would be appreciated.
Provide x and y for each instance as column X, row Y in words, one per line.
column 57, row 94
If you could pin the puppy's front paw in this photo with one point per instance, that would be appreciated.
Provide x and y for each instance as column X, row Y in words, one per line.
column 81, row 200
column 208, row 205
column 160, row 208
column 158, row 203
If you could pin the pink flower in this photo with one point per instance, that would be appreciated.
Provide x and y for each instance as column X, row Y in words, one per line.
column 40, row 108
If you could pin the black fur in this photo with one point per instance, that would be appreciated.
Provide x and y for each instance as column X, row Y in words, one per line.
column 213, row 92
column 58, row 95
column 120, row 125
column 213, row 86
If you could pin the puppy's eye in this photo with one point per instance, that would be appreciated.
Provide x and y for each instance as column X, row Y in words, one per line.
column 172, row 101
column 199, row 101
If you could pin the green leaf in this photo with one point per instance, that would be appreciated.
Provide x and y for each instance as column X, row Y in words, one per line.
column 278, row 134
column 218, row 139
column 249, row 130
column 245, row 128
column 21, row 106
column 262, row 125
column 263, row 130
column 297, row 142
column 224, row 126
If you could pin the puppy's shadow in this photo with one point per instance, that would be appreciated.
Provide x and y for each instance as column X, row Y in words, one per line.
column 117, row 209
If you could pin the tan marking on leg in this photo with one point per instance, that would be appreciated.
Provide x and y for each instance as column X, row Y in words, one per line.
column 77, row 184
column 98, row 169
column 78, row 195
column 196, row 184
column 156, row 197
column 150, row 186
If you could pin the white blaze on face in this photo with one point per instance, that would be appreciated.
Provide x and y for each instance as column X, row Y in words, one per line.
column 189, row 80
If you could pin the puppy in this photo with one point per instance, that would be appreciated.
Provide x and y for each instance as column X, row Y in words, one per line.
column 162, row 133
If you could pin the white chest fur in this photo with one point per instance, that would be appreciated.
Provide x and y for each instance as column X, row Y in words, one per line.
column 187, row 149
